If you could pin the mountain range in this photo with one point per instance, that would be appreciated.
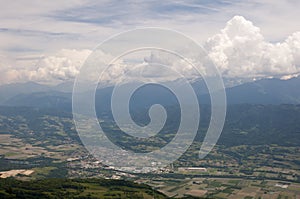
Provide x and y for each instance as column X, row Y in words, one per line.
column 264, row 91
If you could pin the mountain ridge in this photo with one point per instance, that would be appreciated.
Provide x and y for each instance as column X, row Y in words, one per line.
column 264, row 91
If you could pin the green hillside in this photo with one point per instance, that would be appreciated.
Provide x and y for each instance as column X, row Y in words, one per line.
column 76, row 188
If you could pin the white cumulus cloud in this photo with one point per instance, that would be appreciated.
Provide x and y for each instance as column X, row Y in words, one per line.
column 61, row 66
column 240, row 51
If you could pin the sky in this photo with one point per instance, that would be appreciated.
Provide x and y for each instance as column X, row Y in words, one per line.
column 47, row 41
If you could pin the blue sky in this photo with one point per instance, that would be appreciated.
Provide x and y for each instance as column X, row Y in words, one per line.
column 36, row 29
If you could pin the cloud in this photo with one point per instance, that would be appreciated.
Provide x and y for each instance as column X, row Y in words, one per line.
column 10, row 71
column 61, row 66
column 240, row 51
column 178, row 65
